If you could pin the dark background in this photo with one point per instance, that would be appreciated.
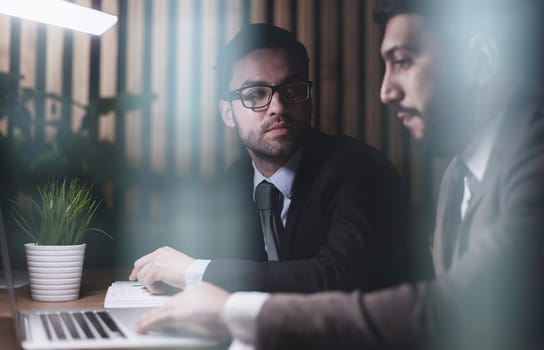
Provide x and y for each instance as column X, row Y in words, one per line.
column 135, row 110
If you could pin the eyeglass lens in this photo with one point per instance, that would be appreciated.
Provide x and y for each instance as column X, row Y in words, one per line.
column 260, row 96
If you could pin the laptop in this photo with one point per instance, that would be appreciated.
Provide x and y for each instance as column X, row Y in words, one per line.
column 84, row 328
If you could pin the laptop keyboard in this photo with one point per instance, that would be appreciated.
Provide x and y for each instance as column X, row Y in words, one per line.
column 76, row 325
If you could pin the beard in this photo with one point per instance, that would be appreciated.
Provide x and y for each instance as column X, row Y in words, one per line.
column 451, row 125
column 279, row 148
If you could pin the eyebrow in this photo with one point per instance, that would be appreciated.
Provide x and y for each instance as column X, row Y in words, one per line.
column 292, row 77
column 391, row 51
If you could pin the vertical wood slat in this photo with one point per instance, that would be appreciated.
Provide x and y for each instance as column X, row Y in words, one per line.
column 40, row 63
column 81, row 56
column 53, row 81
column 208, row 106
column 108, row 74
column 171, row 86
column 340, row 79
column 258, row 11
column 94, row 80
column 246, row 13
column 305, row 34
column 67, row 78
column 180, row 134
column 146, row 70
column 282, row 15
column 14, row 55
column 194, row 113
column 119, row 182
column 317, row 63
column 269, row 11
column 328, row 67
column 220, row 127
column 238, row 15
column 121, row 83
column 135, row 32
column 373, row 108
column 294, row 15
column 159, row 75
column 5, row 42
column 185, row 90
column 353, row 62
column 362, row 54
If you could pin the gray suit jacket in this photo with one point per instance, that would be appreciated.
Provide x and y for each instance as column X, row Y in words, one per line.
column 487, row 296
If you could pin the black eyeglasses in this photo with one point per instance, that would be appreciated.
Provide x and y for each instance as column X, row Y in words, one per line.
column 259, row 96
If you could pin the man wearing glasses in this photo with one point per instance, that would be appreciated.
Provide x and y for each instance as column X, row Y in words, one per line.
column 331, row 211
column 464, row 77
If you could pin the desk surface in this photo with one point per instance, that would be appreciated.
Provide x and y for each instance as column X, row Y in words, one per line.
column 93, row 290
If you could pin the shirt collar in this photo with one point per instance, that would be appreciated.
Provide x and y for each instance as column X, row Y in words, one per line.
column 283, row 178
column 476, row 155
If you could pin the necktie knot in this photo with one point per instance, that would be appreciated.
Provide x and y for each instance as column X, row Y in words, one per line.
column 460, row 170
column 268, row 201
column 267, row 196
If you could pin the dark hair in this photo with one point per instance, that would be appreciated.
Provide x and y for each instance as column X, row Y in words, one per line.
column 518, row 24
column 253, row 37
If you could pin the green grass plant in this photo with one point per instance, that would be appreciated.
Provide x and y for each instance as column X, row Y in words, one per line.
column 62, row 214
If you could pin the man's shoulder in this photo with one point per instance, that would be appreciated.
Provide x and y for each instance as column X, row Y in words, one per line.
column 522, row 127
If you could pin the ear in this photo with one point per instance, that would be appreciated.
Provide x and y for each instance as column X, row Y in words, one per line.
column 484, row 57
column 226, row 113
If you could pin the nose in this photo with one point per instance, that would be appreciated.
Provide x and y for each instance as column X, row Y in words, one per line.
column 277, row 106
column 390, row 90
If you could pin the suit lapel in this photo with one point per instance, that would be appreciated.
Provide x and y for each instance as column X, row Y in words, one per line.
column 308, row 167
column 240, row 183
column 520, row 109
column 443, row 243
column 476, row 197
column 479, row 191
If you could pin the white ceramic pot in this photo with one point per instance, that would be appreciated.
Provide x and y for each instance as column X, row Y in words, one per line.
column 54, row 271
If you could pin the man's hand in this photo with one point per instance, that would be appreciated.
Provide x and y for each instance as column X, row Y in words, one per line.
column 164, row 265
column 198, row 309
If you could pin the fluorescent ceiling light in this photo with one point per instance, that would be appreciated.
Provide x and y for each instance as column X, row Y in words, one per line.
column 60, row 13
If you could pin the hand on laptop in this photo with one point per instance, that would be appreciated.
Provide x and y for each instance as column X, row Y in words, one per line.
column 198, row 309
column 165, row 265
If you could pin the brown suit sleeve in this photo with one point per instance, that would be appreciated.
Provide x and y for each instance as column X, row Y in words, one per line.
column 293, row 322
column 343, row 321
column 491, row 298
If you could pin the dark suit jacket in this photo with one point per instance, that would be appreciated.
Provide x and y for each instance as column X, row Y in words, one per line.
column 489, row 296
column 348, row 224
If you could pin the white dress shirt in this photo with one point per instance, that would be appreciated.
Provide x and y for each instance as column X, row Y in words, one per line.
column 476, row 157
column 283, row 179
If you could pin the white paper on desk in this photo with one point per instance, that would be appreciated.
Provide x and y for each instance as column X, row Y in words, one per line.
column 132, row 294
column 20, row 278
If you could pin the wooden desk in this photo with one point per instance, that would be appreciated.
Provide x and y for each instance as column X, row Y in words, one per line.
column 93, row 290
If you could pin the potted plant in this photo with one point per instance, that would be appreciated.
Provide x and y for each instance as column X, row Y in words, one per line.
column 56, row 223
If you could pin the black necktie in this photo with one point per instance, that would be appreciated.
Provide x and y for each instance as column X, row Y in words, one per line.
column 268, row 200
column 452, row 218
column 462, row 235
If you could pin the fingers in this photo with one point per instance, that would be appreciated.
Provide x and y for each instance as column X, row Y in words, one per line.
column 162, row 265
column 139, row 263
column 154, row 319
column 198, row 309
column 147, row 276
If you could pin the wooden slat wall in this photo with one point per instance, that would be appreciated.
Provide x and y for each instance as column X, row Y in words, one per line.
column 167, row 48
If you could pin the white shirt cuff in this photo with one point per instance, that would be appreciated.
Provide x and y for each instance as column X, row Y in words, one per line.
column 240, row 313
column 195, row 271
